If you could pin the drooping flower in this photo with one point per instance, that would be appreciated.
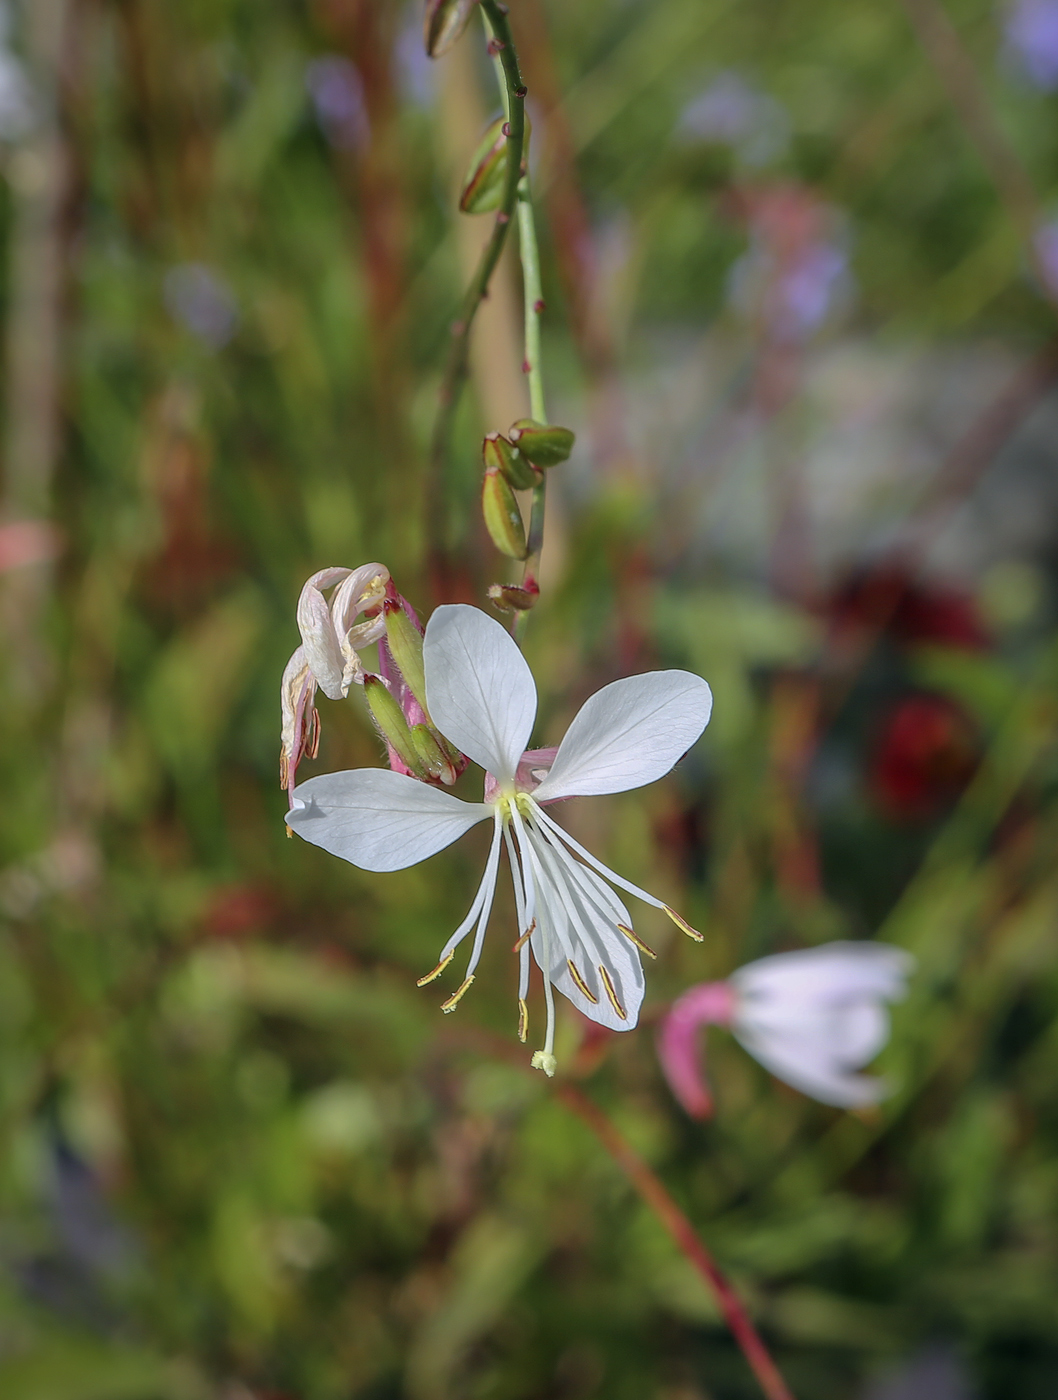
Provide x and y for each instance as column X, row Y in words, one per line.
column 812, row 1017
column 481, row 697
column 328, row 655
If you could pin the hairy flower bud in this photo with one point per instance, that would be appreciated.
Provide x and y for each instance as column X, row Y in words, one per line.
column 544, row 446
column 502, row 516
column 405, row 644
column 389, row 717
column 496, row 451
column 431, row 755
column 444, row 23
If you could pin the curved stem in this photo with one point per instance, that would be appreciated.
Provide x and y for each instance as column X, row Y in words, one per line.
column 657, row 1198
column 458, row 363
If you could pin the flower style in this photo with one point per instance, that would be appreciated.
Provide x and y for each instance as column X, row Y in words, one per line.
column 481, row 697
column 811, row 1017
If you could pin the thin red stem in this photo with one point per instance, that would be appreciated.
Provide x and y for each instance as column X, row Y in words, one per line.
column 657, row 1198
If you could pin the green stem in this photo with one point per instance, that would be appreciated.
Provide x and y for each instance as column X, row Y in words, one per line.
column 534, row 305
column 458, row 364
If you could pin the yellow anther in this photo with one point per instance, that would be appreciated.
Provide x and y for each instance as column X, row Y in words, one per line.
column 454, row 999
column 437, row 970
column 581, row 982
column 643, row 947
column 520, row 944
column 611, row 992
column 682, row 923
column 523, row 1020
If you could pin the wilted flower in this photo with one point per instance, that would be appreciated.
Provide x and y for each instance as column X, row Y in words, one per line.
column 1032, row 37
column 327, row 657
column 813, row 1018
column 481, row 697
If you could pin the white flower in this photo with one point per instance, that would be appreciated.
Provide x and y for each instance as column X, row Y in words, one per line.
column 482, row 698
column 816, row 1016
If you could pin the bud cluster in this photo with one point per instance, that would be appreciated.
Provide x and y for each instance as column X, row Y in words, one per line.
column 332, row 638
column 517, row 462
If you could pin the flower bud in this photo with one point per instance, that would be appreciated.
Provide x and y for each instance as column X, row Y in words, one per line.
column 502, row 516
column 388, row 716
column 496, row 451
column 431, row 755
column 544, row 446
column 486, row 175
column 514, row 597
column 444, row 23
column 483, row 183
column 405, row 642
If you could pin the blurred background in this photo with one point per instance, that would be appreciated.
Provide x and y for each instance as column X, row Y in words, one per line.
column 801, row 267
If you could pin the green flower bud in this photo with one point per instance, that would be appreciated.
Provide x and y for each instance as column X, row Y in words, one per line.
column 389, row 717
column 444, row 23
column 487, row 173
column 496, row 451
column 431, row 755
column 502, row 516
column 405, row 643
column 544, row 446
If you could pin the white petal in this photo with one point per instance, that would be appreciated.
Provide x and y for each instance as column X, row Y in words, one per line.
column 829, row 973
column 317, row 632
column 479, row 689
column 627, row 734
column 380, row 820
column 574, row 922
column 813, row 1075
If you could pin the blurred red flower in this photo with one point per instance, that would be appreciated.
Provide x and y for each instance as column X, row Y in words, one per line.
column 924, row 755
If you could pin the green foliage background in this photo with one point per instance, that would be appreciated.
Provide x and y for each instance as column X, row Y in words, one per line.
column 243, row 1158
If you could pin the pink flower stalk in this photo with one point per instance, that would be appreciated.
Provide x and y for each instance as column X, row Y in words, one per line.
column 813, row 1018
column 708, row 1004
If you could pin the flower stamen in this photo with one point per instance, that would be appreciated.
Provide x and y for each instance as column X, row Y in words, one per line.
column 581, row 982
column 682, row 923
column 643, row 947
column 454, row 1000
column 611, row 992
column 430, row 976
column 520, row 944
column 523, row 1020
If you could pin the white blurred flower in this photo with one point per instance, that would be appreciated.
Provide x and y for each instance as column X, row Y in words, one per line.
column 481, row 697
column 813, row 1018
column 816, row 1016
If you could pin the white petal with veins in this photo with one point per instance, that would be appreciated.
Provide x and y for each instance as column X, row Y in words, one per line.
column 380, row 820
column 479, row 689
column 629, row 733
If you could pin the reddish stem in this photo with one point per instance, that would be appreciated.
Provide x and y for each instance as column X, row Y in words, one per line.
column 682, row 1231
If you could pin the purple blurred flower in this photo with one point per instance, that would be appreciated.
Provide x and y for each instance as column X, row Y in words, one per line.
column 337, row 92
column 202, row 302
column 1032, row 38
column 733, row 113
column 415, row 71
column 1046, row 243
